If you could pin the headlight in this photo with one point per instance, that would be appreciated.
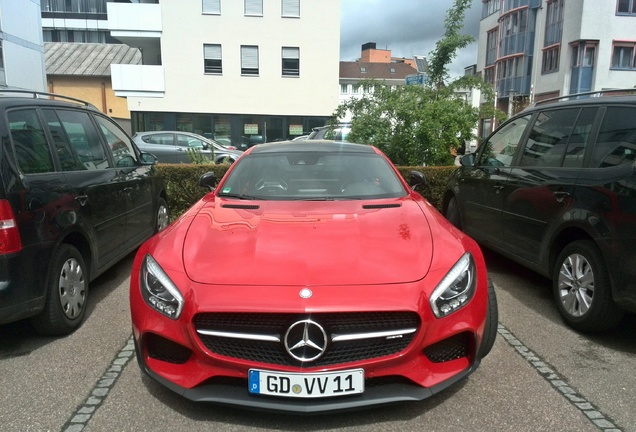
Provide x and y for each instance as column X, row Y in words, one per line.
column 158, row 290
column 456, row 289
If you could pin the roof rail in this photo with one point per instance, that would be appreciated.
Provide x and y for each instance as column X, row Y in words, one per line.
column 43, row 95
column 598, row 93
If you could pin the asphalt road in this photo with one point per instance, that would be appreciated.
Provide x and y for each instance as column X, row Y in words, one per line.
column 540, row 376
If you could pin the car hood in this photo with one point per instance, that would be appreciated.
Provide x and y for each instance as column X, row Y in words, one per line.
column 308, row 243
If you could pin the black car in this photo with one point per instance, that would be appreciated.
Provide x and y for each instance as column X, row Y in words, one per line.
column 76, row 196
column 173, row 146
column 554, row 188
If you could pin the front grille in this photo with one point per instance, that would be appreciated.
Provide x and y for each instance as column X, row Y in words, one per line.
column 337, row 352
column 453, row 348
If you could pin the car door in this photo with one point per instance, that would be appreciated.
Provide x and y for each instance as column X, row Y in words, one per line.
column 479, row 186
column 135, row 181
column 186, row 143
column 540, row 186
column 162, row 145
column 99, row 202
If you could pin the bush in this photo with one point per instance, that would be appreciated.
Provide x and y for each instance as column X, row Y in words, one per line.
column 182, row 183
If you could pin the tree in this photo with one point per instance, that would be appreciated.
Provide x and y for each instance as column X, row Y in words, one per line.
column 417, row 125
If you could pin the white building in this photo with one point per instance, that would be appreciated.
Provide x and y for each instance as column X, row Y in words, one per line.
column 536, row 49
column 21, row 47
column 243, row 69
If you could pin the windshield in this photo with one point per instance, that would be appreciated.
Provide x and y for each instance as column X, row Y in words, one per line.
column 312, row 176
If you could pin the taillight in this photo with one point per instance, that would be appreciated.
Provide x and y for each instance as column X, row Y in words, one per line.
column 9, row 235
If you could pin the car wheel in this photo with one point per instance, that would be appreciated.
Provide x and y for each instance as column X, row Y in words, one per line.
column 492, row 321
column 67, row 293
column 452, row 212
column 582, row 288
column 162, row 215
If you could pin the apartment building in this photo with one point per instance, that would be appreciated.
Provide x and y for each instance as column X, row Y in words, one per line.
column 376, row 64
column 536, row 49
column 240, row 69
column 21, row 51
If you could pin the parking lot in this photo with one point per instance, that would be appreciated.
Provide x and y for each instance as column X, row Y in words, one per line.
column 540, row 376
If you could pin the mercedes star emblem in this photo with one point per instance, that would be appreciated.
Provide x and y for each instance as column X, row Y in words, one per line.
column 306, row 340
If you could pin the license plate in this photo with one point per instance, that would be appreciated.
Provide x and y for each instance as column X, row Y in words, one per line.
column 306, row 385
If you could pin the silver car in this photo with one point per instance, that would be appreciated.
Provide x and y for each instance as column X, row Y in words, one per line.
column 172, row 146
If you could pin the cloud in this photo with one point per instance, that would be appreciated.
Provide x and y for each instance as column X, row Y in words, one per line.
column 405, row 27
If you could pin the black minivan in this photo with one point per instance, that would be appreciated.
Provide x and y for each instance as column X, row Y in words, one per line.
column 554, row 188
column 76, row 196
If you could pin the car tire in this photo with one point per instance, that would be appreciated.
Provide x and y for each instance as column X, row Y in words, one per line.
column 162, row 215
column 66, row 293
column 492, row 322
column 582, row 290
column 452, row 212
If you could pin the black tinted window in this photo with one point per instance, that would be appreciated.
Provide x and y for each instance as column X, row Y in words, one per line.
column 29, row 142
column 84, row 139
column 500, row 148
column 118, row 142
column 67, row 157
column 616, row 143
column 549, row 138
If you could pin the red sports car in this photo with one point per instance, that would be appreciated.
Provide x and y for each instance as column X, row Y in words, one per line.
column 313, row 278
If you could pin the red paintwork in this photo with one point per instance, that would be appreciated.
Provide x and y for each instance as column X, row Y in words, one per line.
column 237, row 260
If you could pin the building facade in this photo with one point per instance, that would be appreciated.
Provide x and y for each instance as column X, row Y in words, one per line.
column 21, row 47
column 532, row 50
column 376, row 64
column 75, row 21
column 244, row 70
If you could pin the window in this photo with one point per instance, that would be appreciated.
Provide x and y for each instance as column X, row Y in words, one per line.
column 3, row 79
column 290, row 8
column 491, row 46
column 29, row 142
column 119, row 144
column 616, row 142
column 254, row 7
column 500, row 148
column 68, row 158
column 249, row 60
column 344, row 88
column 626, row 7
column 84, row 139
column 550, row 60
column 355, row 89
column 489, row 7
column 558, row 138
column 623, row 55
column 161, row 139
column 211, row 7
column 213, row 63
column 291, row 61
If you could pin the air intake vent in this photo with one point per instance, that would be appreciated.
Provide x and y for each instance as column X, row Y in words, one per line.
column 380, row 206
column 241, row 206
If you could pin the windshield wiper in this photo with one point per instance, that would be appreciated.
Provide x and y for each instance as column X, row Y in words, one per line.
column 239, row 196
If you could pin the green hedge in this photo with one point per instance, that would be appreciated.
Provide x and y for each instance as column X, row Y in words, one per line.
column 182, row 183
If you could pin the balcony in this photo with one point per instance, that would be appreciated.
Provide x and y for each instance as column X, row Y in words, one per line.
column 137, row 25
column 138, row 80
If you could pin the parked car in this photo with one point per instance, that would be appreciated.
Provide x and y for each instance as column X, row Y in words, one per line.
column 76, row 196
column 336, row 133
column 554, row 188
column 357, row 292
column 172, row 146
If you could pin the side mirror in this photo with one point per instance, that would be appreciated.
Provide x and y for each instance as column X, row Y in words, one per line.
column 467, row 160
column 417, row 179
column 147, row 158
column 208, row 180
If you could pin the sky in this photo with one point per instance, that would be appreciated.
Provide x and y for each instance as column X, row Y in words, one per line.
column 406, row 27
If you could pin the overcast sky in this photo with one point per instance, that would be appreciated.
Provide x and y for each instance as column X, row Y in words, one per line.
column 406, row 27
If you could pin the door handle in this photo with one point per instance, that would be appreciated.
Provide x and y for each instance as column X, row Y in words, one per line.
column 498, row 188
column 561, row 195
column 81, row 199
